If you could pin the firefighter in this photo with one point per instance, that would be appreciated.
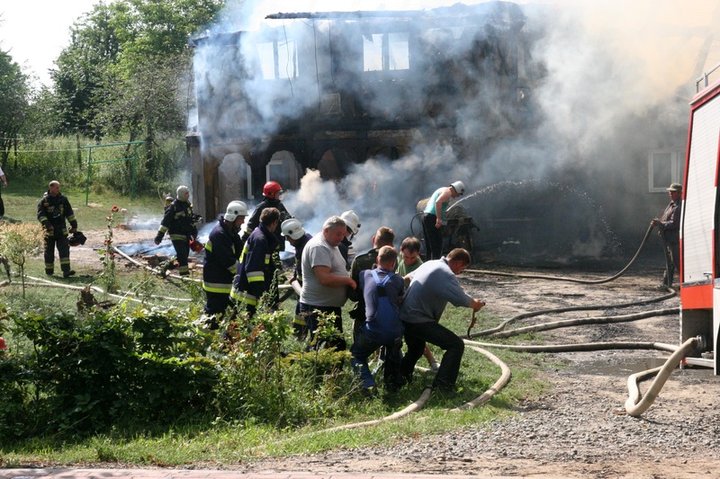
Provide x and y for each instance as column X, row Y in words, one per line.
column 179, row 223
column 294, row 232
column 256, row 270
column 272, row 192
column 222, row 251
column 435, row 214
column 52, row 211
column 668, row 226
column 352, row 222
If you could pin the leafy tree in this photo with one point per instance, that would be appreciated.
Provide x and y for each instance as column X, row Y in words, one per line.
column 14, row 92
column 126, row 68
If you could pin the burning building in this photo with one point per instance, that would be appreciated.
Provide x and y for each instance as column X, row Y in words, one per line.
column 555, row 117
column 330, row 90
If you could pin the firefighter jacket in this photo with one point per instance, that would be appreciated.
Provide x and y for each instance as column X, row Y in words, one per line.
column 254, row 220
column 178, row 222
column 52, row 211
column 257, row 268
column 222, row 251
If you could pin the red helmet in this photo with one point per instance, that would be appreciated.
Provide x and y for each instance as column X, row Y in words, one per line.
column 271, row 188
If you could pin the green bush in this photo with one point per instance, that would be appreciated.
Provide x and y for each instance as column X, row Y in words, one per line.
column 110, row 368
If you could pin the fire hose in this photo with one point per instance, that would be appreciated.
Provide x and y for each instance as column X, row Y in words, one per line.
column 501, row 326
column 567, row 278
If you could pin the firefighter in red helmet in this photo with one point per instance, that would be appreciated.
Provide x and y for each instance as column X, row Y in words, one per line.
column 271, row 199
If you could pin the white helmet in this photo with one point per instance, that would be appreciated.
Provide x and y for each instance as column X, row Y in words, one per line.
column 352, row 220
column 458, row 186
column 183, row 193
column 292, row 228
column 235, row 209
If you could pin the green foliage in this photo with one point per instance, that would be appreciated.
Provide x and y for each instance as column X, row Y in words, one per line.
column 259, row 383
column 13, row 104
column 18, row 242
column 111, row 368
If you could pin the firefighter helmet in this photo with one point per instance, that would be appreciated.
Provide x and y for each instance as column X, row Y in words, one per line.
column 459, row 187
column 76, row 239
column 292, row 228
column 352, row 221
column 271, row 188
column 183, row 193
column 235, row 209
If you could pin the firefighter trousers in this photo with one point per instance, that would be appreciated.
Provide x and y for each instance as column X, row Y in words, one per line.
column 57, row 240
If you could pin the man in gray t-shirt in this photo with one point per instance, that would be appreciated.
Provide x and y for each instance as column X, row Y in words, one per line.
column 325, row 279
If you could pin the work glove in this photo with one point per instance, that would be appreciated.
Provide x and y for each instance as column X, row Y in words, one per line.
column 158, row 238
column 73, row 230
column 49, row 231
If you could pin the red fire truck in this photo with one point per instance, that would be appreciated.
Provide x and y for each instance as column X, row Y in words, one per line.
column 700, row 227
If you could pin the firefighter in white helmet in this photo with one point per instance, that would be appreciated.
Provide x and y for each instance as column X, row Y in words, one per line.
column 435, row 214
column 180, row 223
column 222, row 251
column 295, row 234
column 352, row 222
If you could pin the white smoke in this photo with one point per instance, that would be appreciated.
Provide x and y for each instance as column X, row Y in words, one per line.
column 601, row 64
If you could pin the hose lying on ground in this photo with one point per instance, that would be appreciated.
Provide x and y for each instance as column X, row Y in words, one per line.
column 566, row 278
column 501, row 326
column 174, row 276
column 635, row 406
column 502, row 381
column 580, row 321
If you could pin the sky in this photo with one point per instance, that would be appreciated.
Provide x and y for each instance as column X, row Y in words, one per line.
column 34, row 32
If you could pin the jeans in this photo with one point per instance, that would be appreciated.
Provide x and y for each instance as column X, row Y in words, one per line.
column 417, row 334
column 365, row 344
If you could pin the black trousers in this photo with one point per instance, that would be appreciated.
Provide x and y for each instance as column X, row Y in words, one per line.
column 433, row 237
column 417, row 334
column 311, row 314
column 182, row 252
column 57, row 239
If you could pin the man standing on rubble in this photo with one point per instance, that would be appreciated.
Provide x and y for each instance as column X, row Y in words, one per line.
column 435, row 215
column 52, row 211
column 668, row 226
column 179, row 223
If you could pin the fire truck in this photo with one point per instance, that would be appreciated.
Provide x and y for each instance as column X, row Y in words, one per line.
column 700, row 221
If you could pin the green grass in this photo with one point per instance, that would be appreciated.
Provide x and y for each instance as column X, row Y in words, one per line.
column 214, row 442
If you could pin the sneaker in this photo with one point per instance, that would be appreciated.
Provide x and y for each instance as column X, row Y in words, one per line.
column 67, row 274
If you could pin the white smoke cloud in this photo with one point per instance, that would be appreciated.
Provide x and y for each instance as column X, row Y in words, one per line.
column 601, row 63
